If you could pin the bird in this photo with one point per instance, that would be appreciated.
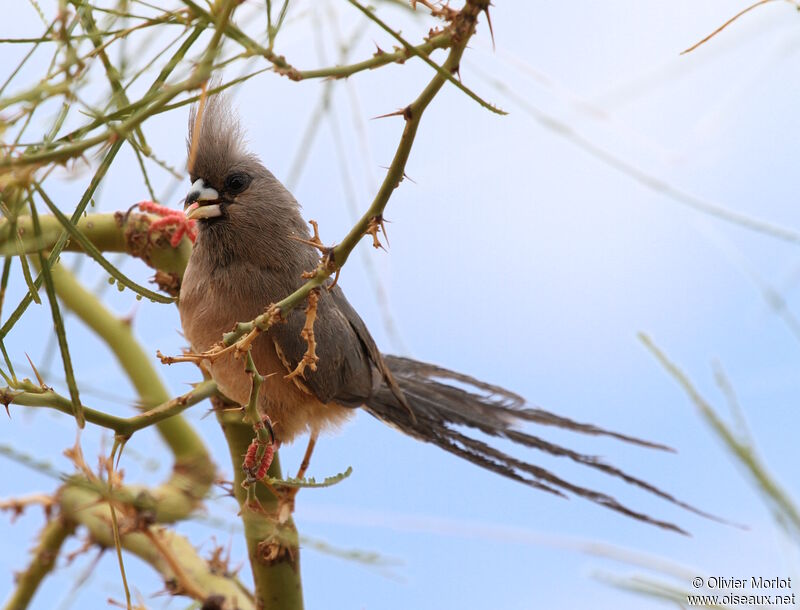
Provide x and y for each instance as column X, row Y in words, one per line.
column 252, row 249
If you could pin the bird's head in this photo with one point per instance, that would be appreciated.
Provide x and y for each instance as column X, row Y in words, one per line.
column 243, row 212
column 226, row 179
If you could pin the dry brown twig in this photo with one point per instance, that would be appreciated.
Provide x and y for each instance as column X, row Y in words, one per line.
column 731, row 20
column 87, row 545
column 326, row 262
column 376, row 225
column 310, row 358
column 218, row 350
column 17, row 506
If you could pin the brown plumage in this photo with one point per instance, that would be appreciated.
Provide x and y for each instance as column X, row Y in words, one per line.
column 245, row 258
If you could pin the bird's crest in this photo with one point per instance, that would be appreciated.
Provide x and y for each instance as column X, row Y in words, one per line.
column 215, row 136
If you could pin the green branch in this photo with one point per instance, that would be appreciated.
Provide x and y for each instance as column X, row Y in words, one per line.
column 171, row 555
column 137, row 364
column 445, row 71
column 193, row 471
column 55, row 532
column 30, row 395
column 272, row 545
column 61, row 242
column 88, row 247
column 58, row 327
column 150, row 105
column 117, row 232
column 381, row 58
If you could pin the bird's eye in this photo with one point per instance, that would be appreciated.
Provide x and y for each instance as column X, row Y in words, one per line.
column 236, row 183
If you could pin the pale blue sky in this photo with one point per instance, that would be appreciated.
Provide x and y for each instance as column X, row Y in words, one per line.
column 519, row 258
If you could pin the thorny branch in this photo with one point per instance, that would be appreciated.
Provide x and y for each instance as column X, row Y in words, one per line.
column 30, row 395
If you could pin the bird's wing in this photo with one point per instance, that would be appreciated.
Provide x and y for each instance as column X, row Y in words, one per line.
column 349, row 361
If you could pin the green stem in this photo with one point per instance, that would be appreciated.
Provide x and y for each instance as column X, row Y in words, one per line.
column 271, row 545
column 443, row 71
column 116, row 232
column 88, row 247
column 55, row 532
column 137, row 364
column 58, row 327
column 119, row 98
column 170, row 554
column 33, row 396
column 62, row 240
column 193, row 471
column 151, row 104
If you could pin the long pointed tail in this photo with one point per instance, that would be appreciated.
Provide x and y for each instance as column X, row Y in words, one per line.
column 442, row 400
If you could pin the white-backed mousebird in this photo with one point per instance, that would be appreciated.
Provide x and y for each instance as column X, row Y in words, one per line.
column 247, row 256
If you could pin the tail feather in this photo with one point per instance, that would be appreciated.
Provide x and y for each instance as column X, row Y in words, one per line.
column 499, row 401
column 437, row 408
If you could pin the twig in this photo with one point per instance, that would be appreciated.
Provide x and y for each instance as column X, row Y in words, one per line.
column 787, row 513
column 32, row 396
column 58, row 326
column 310, row 357
column 730, row 21
column 52, row 537
column 445, row 72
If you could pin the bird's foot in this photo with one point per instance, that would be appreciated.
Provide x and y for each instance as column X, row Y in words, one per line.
column 170, row 218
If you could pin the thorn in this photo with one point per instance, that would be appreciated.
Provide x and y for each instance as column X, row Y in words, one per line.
column 122, row 443
column 315, row 241
column 406, row 113
column 35, row 371
column 489, row 21
column 335, row 279
column 128, row 319
column 308, row 242
column 388, row 114
column 383, row 228
column 376, row 225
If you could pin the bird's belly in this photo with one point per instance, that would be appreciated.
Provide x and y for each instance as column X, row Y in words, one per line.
column 291, row 410
column 206, row 314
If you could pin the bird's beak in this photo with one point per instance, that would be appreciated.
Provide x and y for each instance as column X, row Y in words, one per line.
column 202, row 201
